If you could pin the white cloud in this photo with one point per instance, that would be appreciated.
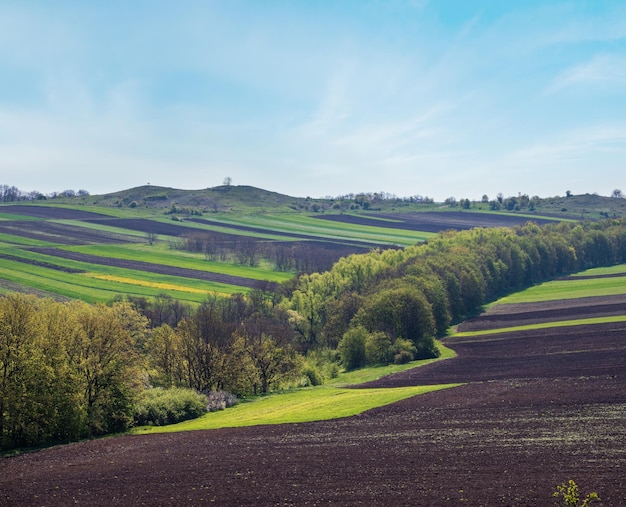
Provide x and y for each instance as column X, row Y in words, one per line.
column 606, row 70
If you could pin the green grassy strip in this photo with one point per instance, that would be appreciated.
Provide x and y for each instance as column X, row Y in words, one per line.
column 567, row 289
column 303, row 224
column 363, row 375
column 11, row 216
column 544, row 325
column 129, row 233
column 330, row 401
column 302, row 405
column 611, row 270
column 162, row 255
column 19, row 240
column 76, row 285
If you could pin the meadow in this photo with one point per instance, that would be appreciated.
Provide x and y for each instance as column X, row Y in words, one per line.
column 335, row 399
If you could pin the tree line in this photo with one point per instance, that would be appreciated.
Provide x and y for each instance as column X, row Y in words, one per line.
column 74, row 370
column 10, row 193
column 288, row 256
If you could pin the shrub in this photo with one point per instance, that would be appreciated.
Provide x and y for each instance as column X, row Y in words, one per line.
column 404, row 351
column 159, row 407
column 571, row 496
column 220, row 400
column 312, row 377
column 378, row 349
column 352, row 348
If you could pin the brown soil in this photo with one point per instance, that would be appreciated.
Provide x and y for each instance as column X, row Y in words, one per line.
column 434, row 221
column 50, row 212
column 522, row 314
column 539, row 408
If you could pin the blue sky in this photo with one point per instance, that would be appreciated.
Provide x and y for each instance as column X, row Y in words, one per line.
column 315, row 97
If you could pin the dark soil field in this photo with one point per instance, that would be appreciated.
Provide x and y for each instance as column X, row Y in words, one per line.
column 435, row 221
column 539, row 408
column 51, row 212
column 61, row 233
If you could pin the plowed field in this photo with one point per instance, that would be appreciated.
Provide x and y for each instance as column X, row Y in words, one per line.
column 539, row 408
column 434, row 221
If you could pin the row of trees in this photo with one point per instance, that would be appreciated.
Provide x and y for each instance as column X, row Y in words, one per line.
column 416, row 293
column 9, row 193
column 301, row 256
column 67, row 371
column 75, row 370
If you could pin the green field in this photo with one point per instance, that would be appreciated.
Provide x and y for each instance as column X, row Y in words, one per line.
column 162, row 255
column 303, row 405
column 100, row 283
column 572, row 288
column 330, row 401
column 324, row 229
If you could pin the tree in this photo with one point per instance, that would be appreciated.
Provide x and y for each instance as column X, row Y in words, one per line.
column 351, row 348
column 228, row 181
column 401, row 313
column 273, row 364
column 617, row 193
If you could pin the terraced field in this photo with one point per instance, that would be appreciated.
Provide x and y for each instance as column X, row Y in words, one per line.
column 538, row 407
column 97, row 254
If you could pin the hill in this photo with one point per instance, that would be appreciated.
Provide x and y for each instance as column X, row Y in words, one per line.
column 248, row 199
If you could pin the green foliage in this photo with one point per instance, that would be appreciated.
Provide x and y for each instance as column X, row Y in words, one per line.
column 403, row 312
column 352, row 348
column 571, row 496
column 404, row 351
column 378, row 349
column 158, row 406
column 67, row 370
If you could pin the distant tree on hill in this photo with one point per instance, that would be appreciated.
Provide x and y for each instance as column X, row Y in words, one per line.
column 228, row 181
column 617, row 193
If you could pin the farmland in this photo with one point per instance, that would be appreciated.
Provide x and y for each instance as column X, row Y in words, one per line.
column 538, row 407
column 96, row 249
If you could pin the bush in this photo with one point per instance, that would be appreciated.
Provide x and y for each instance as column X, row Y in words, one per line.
column 378, row 349
column 312, row 377
column 352, row 348
column 219, row 400
column 159, row 407
column 404, row 351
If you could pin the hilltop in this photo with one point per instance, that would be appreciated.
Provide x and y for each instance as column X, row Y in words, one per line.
column 248, row 199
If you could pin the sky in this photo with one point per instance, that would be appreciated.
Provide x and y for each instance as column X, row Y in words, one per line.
column 439, row 98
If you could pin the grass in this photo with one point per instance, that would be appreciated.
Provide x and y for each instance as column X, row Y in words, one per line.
column 12, row 216
column 363, row 375
column 298, row 223
column 569, row 289
column 161, row 254
column 330, row 401
column 301, row 405
column 90, row 288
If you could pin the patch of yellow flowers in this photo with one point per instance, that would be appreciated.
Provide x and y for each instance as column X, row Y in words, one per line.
column 154, row 285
